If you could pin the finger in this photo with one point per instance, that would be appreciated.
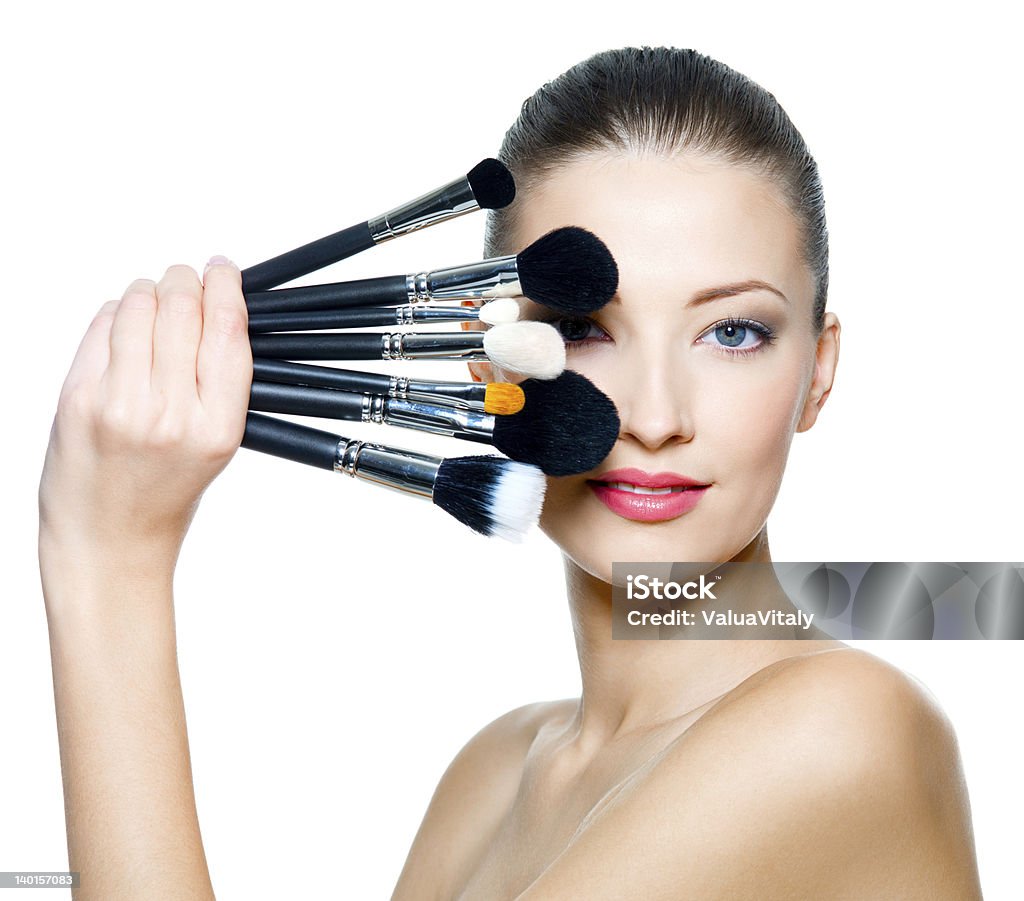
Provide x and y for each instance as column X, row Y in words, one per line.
column 176, row 332
column 131, row 340
column 93, row 354
column 225, row 357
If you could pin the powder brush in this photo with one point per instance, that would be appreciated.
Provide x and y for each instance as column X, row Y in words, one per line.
column 566, row 425
column 568, row 269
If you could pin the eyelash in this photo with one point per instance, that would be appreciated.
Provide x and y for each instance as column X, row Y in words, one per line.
column 766, row 332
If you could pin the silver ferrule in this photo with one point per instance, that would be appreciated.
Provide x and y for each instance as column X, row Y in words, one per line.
column 429, row 417
column 496, row 277
column 412, row 313
column 437, row 346
column 450, row 200
column 405, row 471
column 467, row 395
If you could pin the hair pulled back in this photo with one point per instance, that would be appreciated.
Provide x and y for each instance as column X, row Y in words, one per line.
column 662, row 100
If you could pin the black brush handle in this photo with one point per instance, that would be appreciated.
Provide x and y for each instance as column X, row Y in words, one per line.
column 363, row 292
column 290, row 441
column 308, row 258
column 318, row 346
column 302, row 400
column 320, row 376
column 363, row 317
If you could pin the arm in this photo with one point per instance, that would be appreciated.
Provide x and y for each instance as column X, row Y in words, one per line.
column 837, row 778
column 151, row 410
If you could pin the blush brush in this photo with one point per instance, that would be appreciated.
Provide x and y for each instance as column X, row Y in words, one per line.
column 568, row 269
column 566, row 426
column 491, row 495
column 533, row 349
column 488, row 185
column 503, row 398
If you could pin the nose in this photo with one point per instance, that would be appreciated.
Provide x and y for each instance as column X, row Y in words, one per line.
column 654, row 398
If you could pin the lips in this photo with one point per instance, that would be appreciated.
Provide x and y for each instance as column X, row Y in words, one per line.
column 647, row 497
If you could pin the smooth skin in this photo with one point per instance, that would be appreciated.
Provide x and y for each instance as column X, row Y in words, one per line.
column 688, row 770
column 152, row 410
column 697, row 770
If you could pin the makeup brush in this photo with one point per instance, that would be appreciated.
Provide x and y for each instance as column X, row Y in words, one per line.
column 496, row 312
column 567, row 426
column 530, row 348
column 491, row 495
column 568, row 269
column 488, row 185
column 502, row 398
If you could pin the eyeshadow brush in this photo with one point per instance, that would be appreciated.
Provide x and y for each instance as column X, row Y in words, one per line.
column 502, row 398
column 488, row 185
column 495, row 312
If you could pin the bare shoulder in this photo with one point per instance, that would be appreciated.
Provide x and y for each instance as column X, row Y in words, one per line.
column 471, row 797
column 831, row 774
column 851, row 702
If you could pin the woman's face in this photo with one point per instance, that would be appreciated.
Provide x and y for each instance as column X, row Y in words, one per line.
column 708, row 351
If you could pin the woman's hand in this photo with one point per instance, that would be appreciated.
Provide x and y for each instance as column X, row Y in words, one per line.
column 152, row 410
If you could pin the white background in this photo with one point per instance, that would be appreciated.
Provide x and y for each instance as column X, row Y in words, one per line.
column 338, row 643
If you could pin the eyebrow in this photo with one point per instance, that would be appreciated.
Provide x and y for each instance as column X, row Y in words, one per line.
column 721, row 291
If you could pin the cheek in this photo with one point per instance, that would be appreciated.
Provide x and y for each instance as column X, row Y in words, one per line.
column 582, row 529
column 747, row 415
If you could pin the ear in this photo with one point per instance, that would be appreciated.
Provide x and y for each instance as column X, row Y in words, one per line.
column 479, row 371
column 826, row 358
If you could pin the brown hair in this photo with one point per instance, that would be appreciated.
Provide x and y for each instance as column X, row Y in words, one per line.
column 664, row 100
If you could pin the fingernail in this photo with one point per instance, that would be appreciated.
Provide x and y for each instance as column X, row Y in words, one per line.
column 218, row 261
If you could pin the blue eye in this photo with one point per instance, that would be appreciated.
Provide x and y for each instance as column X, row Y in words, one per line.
column 742, row 335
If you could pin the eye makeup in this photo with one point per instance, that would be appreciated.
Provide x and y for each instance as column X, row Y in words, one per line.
column 734, row 335
column 738, row 335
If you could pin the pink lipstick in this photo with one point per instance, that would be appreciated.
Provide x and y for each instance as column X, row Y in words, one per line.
column 647, row 497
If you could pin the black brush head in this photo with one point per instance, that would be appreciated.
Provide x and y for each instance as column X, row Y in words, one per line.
column 492, row 184
column 491, row 495
column 567, row 425
column 569, row 269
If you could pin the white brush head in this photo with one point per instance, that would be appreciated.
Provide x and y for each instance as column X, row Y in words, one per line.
column 499, row 311
column 533, row 349
column 517, row 501
column 491, row 495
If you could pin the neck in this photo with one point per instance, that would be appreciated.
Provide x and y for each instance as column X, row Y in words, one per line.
column 630, row 685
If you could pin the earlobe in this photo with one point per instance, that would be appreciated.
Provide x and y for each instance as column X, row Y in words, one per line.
column 826, row 358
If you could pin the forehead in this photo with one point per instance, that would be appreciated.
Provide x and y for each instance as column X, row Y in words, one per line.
column 675, row 225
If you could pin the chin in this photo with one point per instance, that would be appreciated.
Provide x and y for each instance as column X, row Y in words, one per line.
column 595, row 543
column 594, row 537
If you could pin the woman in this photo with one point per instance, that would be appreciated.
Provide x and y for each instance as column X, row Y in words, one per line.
column 692, row 769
